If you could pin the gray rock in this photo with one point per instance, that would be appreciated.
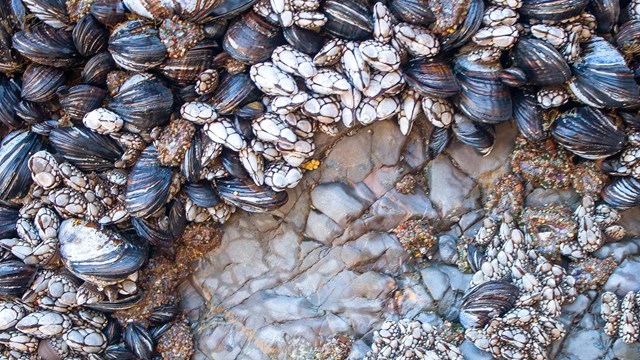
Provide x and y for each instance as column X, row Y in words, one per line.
column 629, row 219
column 625, row 278
column 320, row 227
column 619, row 250
column 437, row 282
column 477, row 166
column 623, row 351
column 451, row 191
column 338, row 201
column 584, row 345
column 448, row 249
column 470, row 218
column 470, row 351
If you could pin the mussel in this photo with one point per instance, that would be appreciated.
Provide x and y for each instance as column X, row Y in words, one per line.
column 143, row 102
column 230, row 8
column 118, row 352
column 15, row 150
column 431, row 77
column 471, row 23
column 415, row 12
column 627, row 38
column 184, row 70
column 45, row 45
column 96, row 69
column 251, row 39
column 31, row 112
column 438, row 140
column 541, row 62
column 606, row 12
column 602, row 77
column 202, row 194
column 51, row 12
column 164, row 229
column 307, row 41
column 484, row 97
column 85, row 149
column 588, row 132
column 15, row 278
column 248, row 196
column 233, row 92
column 78, row 100
column 348, row 19
column 99, row 255
column 40, row 82
column 89, row 36
column 8, row 217
column 528, row 116
column 552, row 9
column 486, row 301
column 9, row 98
column 148, row 185
column 476, row 135
column 109, row 12
column 622, row 193
column 136, row 46
column 138, row 340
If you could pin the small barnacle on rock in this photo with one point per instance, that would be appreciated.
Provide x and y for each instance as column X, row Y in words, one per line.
column 337, row 348
column 176, row 343
column 407, row 184
column 508, row 195
column 591, row 273
column 416, row 237
column 543, row 165
column 550, row 227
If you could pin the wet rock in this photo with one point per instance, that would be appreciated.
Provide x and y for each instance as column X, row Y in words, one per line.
column 338, row 201
column 625, row 278
column 451, row 191
column 448, row 249
column 584, row 345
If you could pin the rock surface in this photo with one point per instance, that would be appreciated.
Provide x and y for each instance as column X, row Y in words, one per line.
column 280, row 285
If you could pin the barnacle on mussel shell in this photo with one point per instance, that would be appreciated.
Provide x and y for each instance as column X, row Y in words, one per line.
column 486, row 301
column 588, row 132
column 99, row 255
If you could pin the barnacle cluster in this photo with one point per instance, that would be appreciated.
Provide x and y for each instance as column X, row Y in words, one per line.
column 517, row 318
column 416, row 237
column 621, row 316
column 410, row 339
